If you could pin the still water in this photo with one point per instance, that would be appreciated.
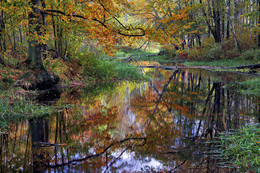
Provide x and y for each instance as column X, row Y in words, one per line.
column 165, row 125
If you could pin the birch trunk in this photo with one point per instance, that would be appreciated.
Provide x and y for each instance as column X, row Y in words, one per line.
column 231, row 27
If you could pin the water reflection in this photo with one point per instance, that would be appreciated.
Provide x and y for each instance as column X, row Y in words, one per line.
column 162, row 125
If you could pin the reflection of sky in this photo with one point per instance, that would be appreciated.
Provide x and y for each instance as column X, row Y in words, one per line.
column 131, row 121
column 128, row 162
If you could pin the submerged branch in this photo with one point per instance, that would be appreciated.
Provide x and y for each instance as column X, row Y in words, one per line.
column 164, row 89
column 95, row 155
column 253, row 66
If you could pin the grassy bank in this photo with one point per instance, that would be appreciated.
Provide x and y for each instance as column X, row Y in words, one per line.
column 86, row 68
column 250, row 87
column 14, row 108
column 242, row 148
column 149, row 54
column 222, row 54
column 222, row 63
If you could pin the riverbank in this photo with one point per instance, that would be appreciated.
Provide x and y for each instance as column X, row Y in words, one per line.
column 88, row 69
column 242, row 148
column 21, row 103
column 210, row 57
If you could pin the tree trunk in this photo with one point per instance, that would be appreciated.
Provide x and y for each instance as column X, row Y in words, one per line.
column 214, row 31
column 34, row 59
column 255, row 22
column 223, row 24
column 2, row 28
column 217, row 20
column 40, row 78
column 232, row 28
column 44, row 46
column 227, row 37
column 258, row 23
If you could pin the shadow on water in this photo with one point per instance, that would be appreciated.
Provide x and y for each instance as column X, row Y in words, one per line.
column 163, row 125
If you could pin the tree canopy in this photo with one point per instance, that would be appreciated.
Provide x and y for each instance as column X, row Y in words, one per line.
column 61, row 26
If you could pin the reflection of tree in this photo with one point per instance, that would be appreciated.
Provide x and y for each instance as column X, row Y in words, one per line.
column 3, row 147
column 39, row 128
column 173, row 118
column 199, row 107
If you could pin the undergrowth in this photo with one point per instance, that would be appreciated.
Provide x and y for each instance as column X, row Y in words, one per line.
column 242, row 148
column 14, row 108
column 222, row 54
column 143, row 55
column 250, row 87
column 221, row 63
column 101, row 69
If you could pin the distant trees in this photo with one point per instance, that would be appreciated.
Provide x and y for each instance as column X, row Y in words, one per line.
column 57, row 27
column 183, row 21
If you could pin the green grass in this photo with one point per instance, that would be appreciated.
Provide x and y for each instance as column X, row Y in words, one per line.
column 250, row 87
column 13, row 108
column 141, row 55
column 104, row 70
column 107, row 69
column 242, row 148
column 222, row 63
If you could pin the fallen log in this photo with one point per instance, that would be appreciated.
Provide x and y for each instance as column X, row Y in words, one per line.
column 252, row 66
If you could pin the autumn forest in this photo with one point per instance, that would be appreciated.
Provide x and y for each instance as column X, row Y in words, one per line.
column 129, row 86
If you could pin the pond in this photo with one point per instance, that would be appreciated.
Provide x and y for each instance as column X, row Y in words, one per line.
column 165, row 125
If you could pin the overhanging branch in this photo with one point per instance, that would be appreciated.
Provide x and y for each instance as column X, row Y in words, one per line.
column 118, row 31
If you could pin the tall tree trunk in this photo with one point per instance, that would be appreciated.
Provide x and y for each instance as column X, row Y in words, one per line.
column 255, row 22
column 217, row 20
column 258, row 23
column 231, row 27
column 54, row 34
column 44, row 46
column 228, row 32
column 222, row 24
column 2, row 28
column 41, row 79
column 237, row 12
column 182, row 32
column 34, row 59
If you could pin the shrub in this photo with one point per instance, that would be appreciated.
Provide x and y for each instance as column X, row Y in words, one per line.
column 251, row 54
column 227, row 45
column 214, row 53
column 246, row 40
column 183, row 55
column 100, row 69
column 196, row 53
column 230, row 54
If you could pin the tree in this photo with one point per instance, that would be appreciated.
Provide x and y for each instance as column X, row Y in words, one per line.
column 34, row 59
column 95, row 17
column 258, row 22
column 231, row 27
